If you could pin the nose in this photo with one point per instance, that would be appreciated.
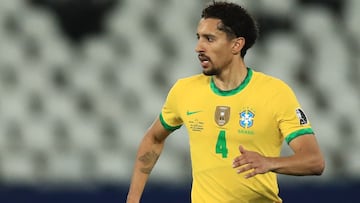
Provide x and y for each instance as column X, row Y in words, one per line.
column 199, row 48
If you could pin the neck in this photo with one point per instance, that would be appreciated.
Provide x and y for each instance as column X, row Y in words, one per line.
column 231, row 78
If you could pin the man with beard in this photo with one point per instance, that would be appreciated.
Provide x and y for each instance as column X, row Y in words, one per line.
column 237, row 120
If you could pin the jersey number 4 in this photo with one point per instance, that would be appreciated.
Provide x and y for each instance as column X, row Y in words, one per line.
column 221, row 144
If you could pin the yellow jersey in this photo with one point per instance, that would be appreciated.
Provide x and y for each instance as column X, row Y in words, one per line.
column 259, row 115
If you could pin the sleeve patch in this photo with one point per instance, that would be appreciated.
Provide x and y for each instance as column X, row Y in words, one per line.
column 302, row 117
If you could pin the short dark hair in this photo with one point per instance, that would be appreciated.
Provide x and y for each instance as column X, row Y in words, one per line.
column 236, row 22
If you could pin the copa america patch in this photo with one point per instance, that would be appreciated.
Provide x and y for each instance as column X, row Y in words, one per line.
column 222, row 115
column 302, row 117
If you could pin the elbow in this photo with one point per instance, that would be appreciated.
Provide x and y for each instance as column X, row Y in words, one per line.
column 319, row 167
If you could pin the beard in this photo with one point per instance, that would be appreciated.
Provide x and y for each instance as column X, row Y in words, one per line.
column 211, row 71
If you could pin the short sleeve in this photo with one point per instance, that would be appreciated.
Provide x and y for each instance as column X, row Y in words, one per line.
column 170, row 117
column 291, row 118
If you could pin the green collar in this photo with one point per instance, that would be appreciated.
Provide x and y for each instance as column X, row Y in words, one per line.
column 244, row 83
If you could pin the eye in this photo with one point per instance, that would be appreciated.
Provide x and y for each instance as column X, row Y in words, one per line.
column 209, row 39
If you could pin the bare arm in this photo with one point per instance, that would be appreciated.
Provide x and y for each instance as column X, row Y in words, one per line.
column 148, row 153
column 306, row 160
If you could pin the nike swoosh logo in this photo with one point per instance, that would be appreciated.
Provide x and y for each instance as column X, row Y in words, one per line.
column 192, row 112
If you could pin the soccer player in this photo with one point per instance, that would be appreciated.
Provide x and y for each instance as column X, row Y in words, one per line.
column 237, row 120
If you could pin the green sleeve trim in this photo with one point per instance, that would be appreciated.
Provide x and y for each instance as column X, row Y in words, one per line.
column 298, row 133
column 166, row 126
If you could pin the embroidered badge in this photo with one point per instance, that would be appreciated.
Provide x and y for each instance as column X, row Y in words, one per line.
column 246, row 119
column 302, row 117
column 222, row 115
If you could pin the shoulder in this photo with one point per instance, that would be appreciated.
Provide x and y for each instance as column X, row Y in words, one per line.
column 270, row 83
column 199, row 79
column 189, row 84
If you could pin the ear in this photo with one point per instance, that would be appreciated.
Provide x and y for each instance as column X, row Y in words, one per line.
column 238, row 44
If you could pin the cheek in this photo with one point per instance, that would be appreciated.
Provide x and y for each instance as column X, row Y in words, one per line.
column 222, row 50
column 220, row 54
column 223, row 56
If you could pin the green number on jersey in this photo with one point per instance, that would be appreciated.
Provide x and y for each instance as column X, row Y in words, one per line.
column 221, row 144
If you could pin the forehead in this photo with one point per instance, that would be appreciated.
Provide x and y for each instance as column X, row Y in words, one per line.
column 208, row 25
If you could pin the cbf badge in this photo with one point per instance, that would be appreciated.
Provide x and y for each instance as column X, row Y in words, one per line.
column 222, row 115
column 246, row 119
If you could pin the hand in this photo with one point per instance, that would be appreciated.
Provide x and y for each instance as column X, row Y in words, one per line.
column 251, row 161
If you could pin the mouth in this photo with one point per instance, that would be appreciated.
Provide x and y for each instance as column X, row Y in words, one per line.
column 204, row 60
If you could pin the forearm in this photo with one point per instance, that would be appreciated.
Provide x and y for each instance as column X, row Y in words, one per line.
column 298, row 164
column 146, row 158
column 306, row 160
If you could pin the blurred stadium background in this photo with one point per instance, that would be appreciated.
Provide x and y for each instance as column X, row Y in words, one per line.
column 80, row 81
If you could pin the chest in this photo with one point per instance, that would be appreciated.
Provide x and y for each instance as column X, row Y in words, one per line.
column 240, row 114
column 227, row 122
